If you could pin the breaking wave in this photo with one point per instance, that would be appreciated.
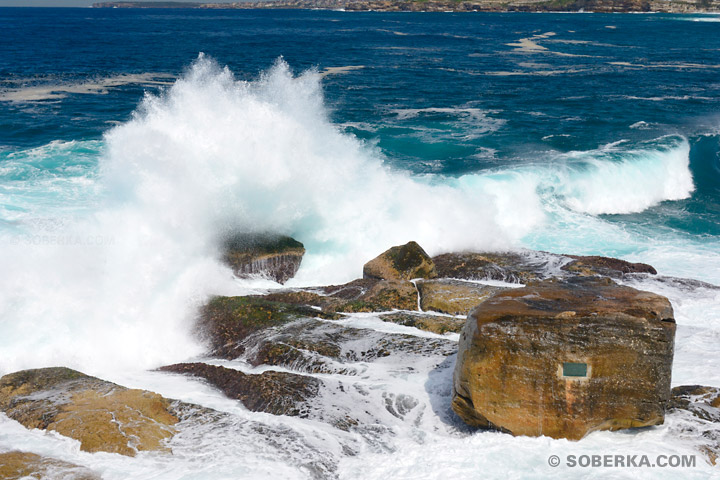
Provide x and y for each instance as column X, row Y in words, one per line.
column 213, row 155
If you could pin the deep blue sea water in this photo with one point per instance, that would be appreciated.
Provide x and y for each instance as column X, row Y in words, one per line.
column 131, row 141
column 438, row 93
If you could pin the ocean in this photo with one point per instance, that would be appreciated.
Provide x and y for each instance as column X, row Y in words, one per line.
column 132, row 140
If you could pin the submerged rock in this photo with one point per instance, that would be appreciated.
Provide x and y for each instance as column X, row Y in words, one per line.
column 405, row 262
column 563, row 359
column 279, row 393
column 452, row 297
column 276, row 257
column 703, row 403
column 103, row 416
column 23, row 465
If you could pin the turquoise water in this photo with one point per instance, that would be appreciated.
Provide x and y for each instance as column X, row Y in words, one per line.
column 603, row 117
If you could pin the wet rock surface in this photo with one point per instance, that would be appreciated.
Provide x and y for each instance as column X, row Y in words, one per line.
column 101, row 415
column 565, row 358
column 702, row 404
column 329, row 359
column 226, row 321
column 276, row 257
column 279, row 393
column 511, row 267
column 605, row 266
column 369, row 295
column 439, row 324
column 24, row 465
column 453, row 297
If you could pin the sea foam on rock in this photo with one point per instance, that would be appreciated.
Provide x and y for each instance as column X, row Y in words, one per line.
column 276, row 257
column 565, row 358
column 703, row 403
column 17, row 465
column 300, row 353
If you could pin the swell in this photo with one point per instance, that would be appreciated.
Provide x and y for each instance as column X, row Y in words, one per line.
column 213, row 155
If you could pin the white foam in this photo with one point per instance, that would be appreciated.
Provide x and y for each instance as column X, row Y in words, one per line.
column 118, row 289
column 632, row 182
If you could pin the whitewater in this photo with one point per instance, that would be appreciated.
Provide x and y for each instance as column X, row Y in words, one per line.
column 111, row 244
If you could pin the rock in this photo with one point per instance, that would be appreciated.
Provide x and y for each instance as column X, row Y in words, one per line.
column 704, row 404
column 293, row 336
column 278, row 393
column 370, row 295
column 276, row 257
column 452, row 297
column 226, row 321
column 101, row 415
column 563, row 359
column 362, row 295
column 431, row 323
column 309, row 346
column 605, row 266
column 511, row 267
column 23, row 465
column 297, row 297
column 405, row 262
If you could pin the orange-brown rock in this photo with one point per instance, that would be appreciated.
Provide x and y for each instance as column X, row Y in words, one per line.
column 452, row 297
column 404, row 262
column 370, row 295
column 563, row 359
column 24, row 465
column 101, row 415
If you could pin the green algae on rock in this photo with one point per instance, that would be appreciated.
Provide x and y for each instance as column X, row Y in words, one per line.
column 404, row 262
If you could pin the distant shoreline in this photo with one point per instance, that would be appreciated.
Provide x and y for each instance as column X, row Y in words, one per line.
column 556, row 6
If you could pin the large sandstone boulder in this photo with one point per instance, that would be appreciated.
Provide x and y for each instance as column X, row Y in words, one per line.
column 276, row 257
column 404, row 262
column 103, row 416
column 29, row 466
column 563, row 359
